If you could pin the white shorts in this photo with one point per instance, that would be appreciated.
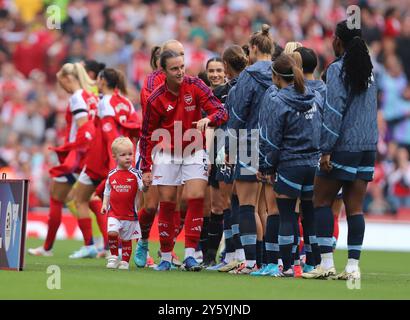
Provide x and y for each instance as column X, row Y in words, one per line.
column 84, row 178
column 69, row 178
column 167, row 171
column 127, row 230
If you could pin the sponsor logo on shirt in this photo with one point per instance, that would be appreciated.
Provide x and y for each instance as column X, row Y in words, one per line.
column 190, row 108
column 188, row 98
column 114, row 182
column 170, row 108
column 122, row 188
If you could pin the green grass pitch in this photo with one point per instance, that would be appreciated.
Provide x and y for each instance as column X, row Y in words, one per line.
column 385, row 275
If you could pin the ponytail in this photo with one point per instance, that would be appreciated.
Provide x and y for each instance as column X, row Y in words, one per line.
column 298, row 59
column 235, row 57
column 77, row 71
column 286, row 68
column 115, row 79
column 291, row 46
column 357, row 66
column 122, row 83
column 298, row 79
column 155, row 52
column 262, row 40
column 81, row 74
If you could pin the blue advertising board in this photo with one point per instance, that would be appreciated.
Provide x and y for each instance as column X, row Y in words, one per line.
column 13, row 220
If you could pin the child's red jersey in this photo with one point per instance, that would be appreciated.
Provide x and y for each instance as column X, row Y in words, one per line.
column 122, row 188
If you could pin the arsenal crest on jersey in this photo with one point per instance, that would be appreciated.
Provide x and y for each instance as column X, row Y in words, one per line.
column 188, row 98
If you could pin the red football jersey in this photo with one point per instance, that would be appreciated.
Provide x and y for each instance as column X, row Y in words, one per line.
column 164, row 109
column 122, row 188
column 73, row 152
column 114, row 119
column 151, row 82
column 81, row 104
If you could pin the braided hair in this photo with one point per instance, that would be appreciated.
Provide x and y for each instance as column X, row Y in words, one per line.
column 357, row 66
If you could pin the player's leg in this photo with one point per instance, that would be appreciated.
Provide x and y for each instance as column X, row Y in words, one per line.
column 238, row 253
column 260, row 218
column 167, row 203
column 58, row 194
column 113, row 228
column 202, row 247
column 146, row 218
column 271, row 232
column 353, row 197
column 82, row 196
column 129, row 231
column 295, row 249
column 325, row 191
column 247, row 192
column 229, row 248
column 337, row 207
column 215, row 226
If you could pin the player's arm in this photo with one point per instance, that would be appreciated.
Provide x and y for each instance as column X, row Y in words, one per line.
column 216, row 113
column 152, row 121
column 106, row 198
column 79, row 110
column 272, row 128
column 239, row 101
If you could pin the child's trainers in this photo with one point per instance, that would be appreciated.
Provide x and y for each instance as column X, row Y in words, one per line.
column 123, row 265
column 113, row 262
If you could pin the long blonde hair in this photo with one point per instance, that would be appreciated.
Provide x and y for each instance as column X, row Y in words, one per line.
column 79, row 73
column 291, row 46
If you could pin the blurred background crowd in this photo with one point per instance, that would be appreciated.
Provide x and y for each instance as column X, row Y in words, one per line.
column 120, row 33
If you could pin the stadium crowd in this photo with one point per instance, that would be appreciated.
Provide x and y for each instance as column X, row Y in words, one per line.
column 121, row 34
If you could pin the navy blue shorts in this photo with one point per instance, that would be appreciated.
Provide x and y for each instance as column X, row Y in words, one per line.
column 295, row 182
column 350, row 166
column 225, row 173
column 244, row 172
column 212, row 177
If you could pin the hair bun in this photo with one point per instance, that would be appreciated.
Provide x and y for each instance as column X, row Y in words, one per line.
column 265, row 29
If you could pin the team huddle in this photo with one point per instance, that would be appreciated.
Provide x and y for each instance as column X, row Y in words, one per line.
column 256, row 152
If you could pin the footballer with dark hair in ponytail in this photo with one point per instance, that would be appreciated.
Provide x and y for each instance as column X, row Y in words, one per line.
column 348, row 146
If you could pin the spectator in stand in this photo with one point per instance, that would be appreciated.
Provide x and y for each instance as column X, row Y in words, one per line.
column 77, row 24
column 399, row 181
column 29, row 125
column 395, row 109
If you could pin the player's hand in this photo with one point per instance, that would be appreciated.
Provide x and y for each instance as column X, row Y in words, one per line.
column 104, row 210
column 147, row 179
column 261, row 176
column 324, row 163
column 202, row 124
